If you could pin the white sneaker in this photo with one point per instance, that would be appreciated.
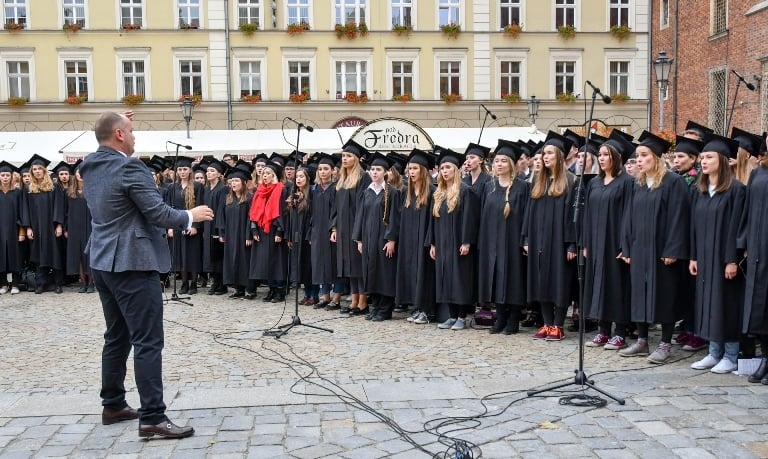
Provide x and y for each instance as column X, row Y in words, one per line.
column 14, row 290
column 3, row 290
column 414, row 316
column 447, row 324
column 459, row 325
column 725, row 366
column 704, row 364
column 422, row 319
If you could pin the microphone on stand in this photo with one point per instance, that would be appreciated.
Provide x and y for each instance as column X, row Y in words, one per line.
column 301, row 125
column 493, row 117
column 606, row 99
column 188, row 147
column 749, row 85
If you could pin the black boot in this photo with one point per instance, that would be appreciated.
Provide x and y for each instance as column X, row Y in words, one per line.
column 269, row 296
column 513, row 320
column 279, row 295
column 501, row 319
column 184, row 288
column 760, row 374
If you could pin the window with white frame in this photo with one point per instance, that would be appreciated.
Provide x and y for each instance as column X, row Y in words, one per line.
column 191, row 77
column 18, row 79
column 450, row 78
column 74, row 12
column 249, row 12
column 189, row 14
column 250, row 78
column 76, row 78
column 350, row 11
column 565, row 13
column 664, row 14
column 565, row 77
column 15, row 12
column 619, row 13
column 510, row 13
column 402, row 11
column 402, row 78
column 351, row 78
column 449, row 12
column 298, row 11
column 299, row 78
column 131, row 12
column 618, row 76
column 510, row 73
column 134, row 77
column 719, row 16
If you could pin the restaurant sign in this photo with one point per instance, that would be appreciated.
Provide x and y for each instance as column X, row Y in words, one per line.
column 392, row 134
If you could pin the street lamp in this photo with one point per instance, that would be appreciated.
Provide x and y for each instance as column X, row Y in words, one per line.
column 186, row 111
column 662, row 65
column 533, row 109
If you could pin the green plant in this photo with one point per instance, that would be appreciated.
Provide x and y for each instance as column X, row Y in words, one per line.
column 619, row 97
column 511, row 98
column 250, row 98
column 13, row 26
column 363, row 28
column 17, row 101
column 402, row 97
column 296, row 28
column 76, row 100
column 248, row 28
column 301, row 97
column 450, row 98
column 451, row 30
column 401, row 29
column 355, row 99
column 196, row 99
column 187, row 25
column 566, row 32
column 131, row 26
column 621, row 32
column 565, row 97
column 133, row 99
column 513, row 30
column 71, row 27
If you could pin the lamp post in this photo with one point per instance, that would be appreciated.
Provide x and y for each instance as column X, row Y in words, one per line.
column 186, row 111
column 533, row 109
column 662, row 65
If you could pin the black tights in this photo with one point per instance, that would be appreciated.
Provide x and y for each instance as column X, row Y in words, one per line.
column 553, row 314
column 605, row 329
column 666, row 331
column 457, row 311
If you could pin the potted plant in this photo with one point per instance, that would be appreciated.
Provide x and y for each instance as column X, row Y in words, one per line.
column 363, row 28
column 300, row 98
column 353, row 98
column 401, row 29
column 566, row 32
column 402, row 97
column 250, row 98
column 13, row 26
column 131, row 26
column 76, row 100
column 297, row 28
column 248, row 29
column 513, row 30
column 17, row 101
column 450, row 98
column 451, row 30
column 348, row 30
column 620, row 97
column 511, row 98
column 71, row 27
column 565, row 97
column 132, row 99
column 621, row 32
column 187, row 25
column 196, row 99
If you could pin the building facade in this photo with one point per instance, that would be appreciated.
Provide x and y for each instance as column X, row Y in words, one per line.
column 250, row 63
column 711, row 43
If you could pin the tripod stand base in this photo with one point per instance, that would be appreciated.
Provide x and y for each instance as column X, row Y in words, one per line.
column 295, row 321
column 179, row 299
column 580, row 379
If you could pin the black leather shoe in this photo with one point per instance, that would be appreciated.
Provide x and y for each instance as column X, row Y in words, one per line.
column 237, row 295
column 193, row 290
column 321, row 304
column 494, row 330
column 58, row 289
column 109, row 417
column 184, row 289
column 270, row 295
column 165, row 429
column 278, row 298
column 39, row 290
column 761, row 372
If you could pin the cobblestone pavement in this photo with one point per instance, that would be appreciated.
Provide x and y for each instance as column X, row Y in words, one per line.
column 253, row 396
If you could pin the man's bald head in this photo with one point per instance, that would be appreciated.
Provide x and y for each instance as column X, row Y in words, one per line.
column 106, row 125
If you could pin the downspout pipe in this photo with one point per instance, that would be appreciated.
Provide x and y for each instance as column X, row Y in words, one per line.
column 228, row 59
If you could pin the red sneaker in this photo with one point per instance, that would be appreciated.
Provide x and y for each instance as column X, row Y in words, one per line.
column 682, row 338
column 695, row 343
column 555, row 334
column 542, row 333
column 598, row 341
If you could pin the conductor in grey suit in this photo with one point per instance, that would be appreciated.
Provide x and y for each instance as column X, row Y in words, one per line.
column 127, row 252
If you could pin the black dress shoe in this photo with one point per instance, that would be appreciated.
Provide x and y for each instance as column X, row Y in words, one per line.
column 39, row 290
column 184, row 289
column 58, row 289
column 494, row 330
column 321, row 305
column 109, row 417
column 345, row 310
column 761, row 372
column 192, row 290
column 237, row 295
column 165, row 429
column 220, row 291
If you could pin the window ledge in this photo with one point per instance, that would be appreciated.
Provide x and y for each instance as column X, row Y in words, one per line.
column 756, row 8
column 719, row 35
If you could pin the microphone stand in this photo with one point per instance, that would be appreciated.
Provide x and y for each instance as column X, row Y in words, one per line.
column 485, row 119
column 175, row 296
column 733, row 106
column 581, row 378
column 297, row 243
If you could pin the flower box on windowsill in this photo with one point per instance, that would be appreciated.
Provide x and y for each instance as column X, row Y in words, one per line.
column 621, row 32
column 451, row 30
column 71, row 28
column 13, row 26
column 402, row 97
column 620, row 97
column 133, row 99
column 513, row 30
column 131, row 26
column 297, row 28
column 76, row 100
column 512, row 98
column 17, row 101
column 565, row 97
column 355, row 99
column 187, row 26
column 196, row 99
column 451, row 98
column 299, row 98
column 250, row 98
column 402, row 29
column 248, row 29
column 566, row 32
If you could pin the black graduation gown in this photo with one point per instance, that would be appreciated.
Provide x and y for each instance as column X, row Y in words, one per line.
column 233, row 225
column 348, row 260
column 714, row 229
column 213, row 250
column 549, row 232
column 323, row 254
column 42, row 212
column 269, row 259
column 657, row 226
column 501, row 263
column 752, row 238
column 479, row 184
column 606, row 278
column 78, row 228
column 379, row 271
column 186, row 250
column 415, row 283
column 10, row 250
column 455, row 274
column 298, row 233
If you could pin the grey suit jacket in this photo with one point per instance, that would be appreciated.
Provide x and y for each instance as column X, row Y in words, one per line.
column 129, row 215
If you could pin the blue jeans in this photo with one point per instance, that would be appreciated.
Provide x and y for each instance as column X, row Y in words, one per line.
column 728, row 350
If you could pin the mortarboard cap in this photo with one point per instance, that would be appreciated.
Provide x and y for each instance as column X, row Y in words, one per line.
column 593, row 145
column 621, row 142
column 241, row 170
column 477, row 150
column 277, row 158
column 5, row 166
column 398, row 161
column 446, row 155
column 276, row 167
column 702, row 131
column 576, row 140
column 355, row 148
column 422, row 157
column 509, row 149
column 325, row 158
column 216, row 164
column 377, row 159
column 748, row 141
column 62, row 166
column 722, row 145
column 202, row 166
column 260, row 158
column 37, row 160
column 183, row 161
column 689, row 146
column 561, row 142
column 654, row 143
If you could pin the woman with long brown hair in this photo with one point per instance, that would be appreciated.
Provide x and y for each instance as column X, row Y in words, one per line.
column 656, row 236
column 415, row 283
column 299, row 215
column 549, row 238
column 214, row 196
column 323, row 254
column 11, row 234
column 234, row 230
column 77, row 230
column 186, row 246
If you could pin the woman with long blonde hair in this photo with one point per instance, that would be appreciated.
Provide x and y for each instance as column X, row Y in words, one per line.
column 750, row 146
column 77, row 230
column 549, row 238
column 234, row 230
column 187, row 246
column 656, row 236
column 501, row 264
column 352, row 182
column 452, row 236
column 11, row 234
column 415, row 284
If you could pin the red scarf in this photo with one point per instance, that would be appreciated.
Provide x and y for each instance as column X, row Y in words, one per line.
column 265, row 207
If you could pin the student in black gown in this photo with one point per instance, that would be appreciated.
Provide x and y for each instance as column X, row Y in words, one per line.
column 350, row 186
column 415, row 284
column 43, row 217
column 755, row 245
column 323, row 253
column 452, row 236
column 11, row 233
column 656, row 236
column 186, row 246
column 476, row 177
column 77, row 230
column 606, row 277
column 62, row 176
column 501, row 264
column 234, row 229
column 214, row 196
column 716, row 213
column 549, row 238
column 299, row 215
column 376, row 229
